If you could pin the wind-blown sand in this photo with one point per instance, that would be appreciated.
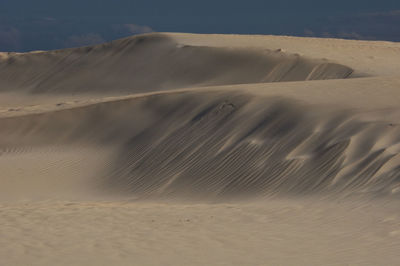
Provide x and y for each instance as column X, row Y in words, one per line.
column 182, row 149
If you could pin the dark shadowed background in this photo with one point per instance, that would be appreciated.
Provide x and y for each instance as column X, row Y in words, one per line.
column 53, row 24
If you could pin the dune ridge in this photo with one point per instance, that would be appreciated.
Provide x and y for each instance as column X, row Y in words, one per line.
column 216, row 145
column 155, row 62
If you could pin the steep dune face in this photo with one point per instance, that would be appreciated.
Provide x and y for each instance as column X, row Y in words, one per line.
column 221, row 146
column 155, row 62
column 237, row 147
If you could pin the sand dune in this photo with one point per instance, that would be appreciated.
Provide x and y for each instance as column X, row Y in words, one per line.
column 152, row 63
column 140, row 143
column 204, row 145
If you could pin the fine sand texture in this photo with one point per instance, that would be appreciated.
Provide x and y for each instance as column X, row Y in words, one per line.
column 185, row 149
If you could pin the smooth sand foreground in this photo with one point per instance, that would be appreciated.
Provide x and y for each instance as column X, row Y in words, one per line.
column 273, row 232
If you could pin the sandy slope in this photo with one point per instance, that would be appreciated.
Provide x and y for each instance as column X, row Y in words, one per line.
column 202, row 149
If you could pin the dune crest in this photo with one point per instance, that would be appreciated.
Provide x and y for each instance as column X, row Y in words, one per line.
column 155, row 62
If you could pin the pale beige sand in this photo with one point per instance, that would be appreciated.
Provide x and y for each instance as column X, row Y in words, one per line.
column 181, row 149
column 274, row 232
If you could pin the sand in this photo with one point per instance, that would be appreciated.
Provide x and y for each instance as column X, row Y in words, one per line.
column 276, row 232
column 184, row 149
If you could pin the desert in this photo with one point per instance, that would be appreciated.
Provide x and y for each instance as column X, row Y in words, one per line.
column 201, row 149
